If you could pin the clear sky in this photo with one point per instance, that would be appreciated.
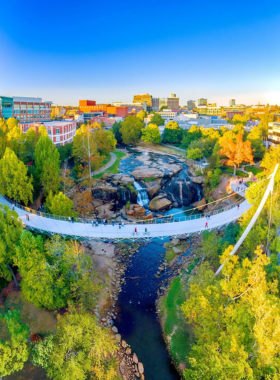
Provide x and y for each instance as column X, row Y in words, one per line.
column 110, row 50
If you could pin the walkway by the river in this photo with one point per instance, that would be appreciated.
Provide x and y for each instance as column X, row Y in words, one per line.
column 108, row 165
column 109, row 232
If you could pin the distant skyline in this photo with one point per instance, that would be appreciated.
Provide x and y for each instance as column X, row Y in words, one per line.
column 66, row 51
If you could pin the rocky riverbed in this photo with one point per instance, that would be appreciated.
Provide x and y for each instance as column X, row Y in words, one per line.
column 135, row 275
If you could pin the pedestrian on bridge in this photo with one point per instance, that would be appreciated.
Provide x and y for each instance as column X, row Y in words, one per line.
column 135, row 230
column 72, row 219
column 206, row 225
column 113, row 223
column 27, row 217
column 120, row 225
column 238, row 207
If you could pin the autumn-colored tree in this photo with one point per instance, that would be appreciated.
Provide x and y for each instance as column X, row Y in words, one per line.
column 235, row 319
column 236, row 152
column 84, row 203
column 65, row 178
column 151, row 134
column 14, row 181
column 142, row 114
column 85, row 149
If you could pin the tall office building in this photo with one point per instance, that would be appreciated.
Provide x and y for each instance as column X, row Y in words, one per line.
column 144, row 98
column 232, row 102
column 155, row 104
column 25, row 108
column 191, row 105
column 202, row 102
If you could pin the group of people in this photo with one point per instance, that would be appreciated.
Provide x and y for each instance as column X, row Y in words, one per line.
column 105, row 222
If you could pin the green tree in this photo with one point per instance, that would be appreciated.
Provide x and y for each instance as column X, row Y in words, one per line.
column 131, row 129
column 255, row 137
column 116, row 130
column 194, row 133
column 13, row 353
column 10, row 231
column 47, row 164
column 172, row 133
column 54, row 272
column 60, row 204
column 151, row 134
column 195, row 153
column 157, row 119
column 14, row 181
column 205, row 144
column 65, row 151
column 142, row 114
column 79, row 350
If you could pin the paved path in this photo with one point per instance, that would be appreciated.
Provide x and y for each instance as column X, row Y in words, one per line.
column 108, row 232
column 108, row 165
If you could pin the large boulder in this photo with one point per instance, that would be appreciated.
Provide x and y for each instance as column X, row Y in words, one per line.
column 182, row 191
column 143, row 172
column 159, row 203
column 153, row 190
column 198, row 179
column 201, row 205
column 105, row 191
column 139, row 211
column 122, row 179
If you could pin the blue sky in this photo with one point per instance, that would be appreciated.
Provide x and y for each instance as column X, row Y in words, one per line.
column 108, row 51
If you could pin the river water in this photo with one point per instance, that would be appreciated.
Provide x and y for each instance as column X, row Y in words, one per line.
column 137, row 318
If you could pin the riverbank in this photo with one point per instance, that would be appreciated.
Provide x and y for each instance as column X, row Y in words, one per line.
column 177, row 333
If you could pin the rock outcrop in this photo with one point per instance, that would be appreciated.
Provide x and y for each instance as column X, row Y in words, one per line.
column 104, row 191
column 121, row 179
column 159, row 204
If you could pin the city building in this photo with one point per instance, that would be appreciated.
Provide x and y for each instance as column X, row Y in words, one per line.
column 202, row 109
column 89, row 115
column 190, row 105
column 144, row 98
column 120, row 111
column 168, row 114
column 58, row 111
column 25, row 108
column 131, row 107
column 155, row 104
column 108, row 121
column 202, row 102
column 88, row 106
column 60, row 132
column 230, row 114
column 273, row 134
column 232, row 102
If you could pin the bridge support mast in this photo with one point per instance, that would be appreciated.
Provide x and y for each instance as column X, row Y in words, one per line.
column 269, row 190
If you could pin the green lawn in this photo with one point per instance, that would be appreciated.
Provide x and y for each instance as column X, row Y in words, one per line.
column 239, row 173
column 175, row 326
column 114, row 169
column 254, row 170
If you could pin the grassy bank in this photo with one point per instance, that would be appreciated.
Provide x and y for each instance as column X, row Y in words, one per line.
column 176, row 331
column 114, row 169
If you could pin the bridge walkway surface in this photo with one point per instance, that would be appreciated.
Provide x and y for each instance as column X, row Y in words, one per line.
column 156, row 229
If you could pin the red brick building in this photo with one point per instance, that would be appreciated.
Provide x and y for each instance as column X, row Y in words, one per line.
column 60, row 132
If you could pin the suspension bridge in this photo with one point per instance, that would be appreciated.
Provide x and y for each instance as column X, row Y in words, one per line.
column 166, row 226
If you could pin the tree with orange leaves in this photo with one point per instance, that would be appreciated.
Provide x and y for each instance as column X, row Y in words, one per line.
column 236, row 151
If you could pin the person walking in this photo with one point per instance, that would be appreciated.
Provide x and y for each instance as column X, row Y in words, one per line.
column 27, row 217
column 93, row 223
column 135, row 230
column 113, row 223
column 72, row 219
column 206, row 225
column 104, row 221
column 120, row 225
column 238, row 207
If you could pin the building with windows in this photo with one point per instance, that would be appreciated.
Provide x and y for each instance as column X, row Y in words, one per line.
column 144, row 98
column 58, row 111
column 132, row 107
column 171, row 103
column 202, row 102
column 231, row 102
column 273, row 134
column 190, row 105
column 60, row 132
column 155, row 104
column 25, row 108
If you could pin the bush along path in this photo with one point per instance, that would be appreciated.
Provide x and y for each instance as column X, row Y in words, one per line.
column 108, row 165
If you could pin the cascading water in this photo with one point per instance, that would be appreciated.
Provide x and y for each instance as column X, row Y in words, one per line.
column 199, row 192
column 142, row 196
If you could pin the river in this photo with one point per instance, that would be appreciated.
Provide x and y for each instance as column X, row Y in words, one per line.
column 137, row 318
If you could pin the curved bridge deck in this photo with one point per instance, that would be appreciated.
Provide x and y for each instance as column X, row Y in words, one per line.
column 80, row 230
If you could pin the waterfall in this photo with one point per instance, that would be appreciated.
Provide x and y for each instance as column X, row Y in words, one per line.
column 142, row 196
column 199, row 192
